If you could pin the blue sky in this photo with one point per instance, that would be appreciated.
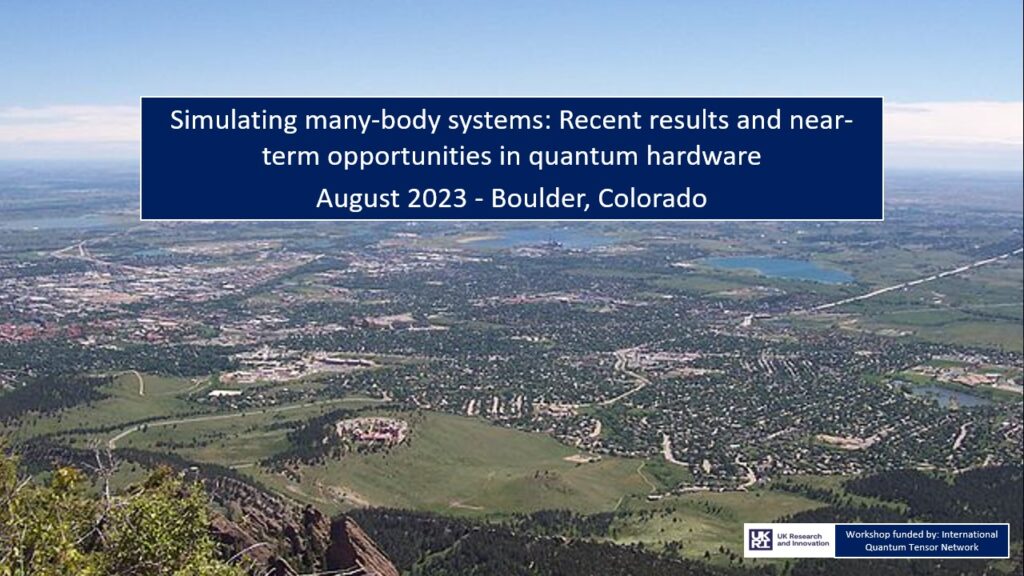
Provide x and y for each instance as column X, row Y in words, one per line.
column 91, row 55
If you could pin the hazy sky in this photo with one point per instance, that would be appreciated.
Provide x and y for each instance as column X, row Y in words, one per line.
column 71, row 72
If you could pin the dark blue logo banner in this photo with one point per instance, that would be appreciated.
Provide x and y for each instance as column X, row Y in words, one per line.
column 512, row 158
column 922, row 541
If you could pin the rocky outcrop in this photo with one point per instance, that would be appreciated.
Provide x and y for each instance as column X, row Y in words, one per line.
column 354, row 552
column 232, row 539
column 273, row 536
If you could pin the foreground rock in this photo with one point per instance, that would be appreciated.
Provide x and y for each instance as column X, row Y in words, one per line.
column 351, row 548
column 272, row 536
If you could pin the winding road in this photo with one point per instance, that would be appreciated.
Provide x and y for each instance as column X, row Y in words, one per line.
column 620, row 365
column 666, row 451
column 112, row 442
column 960, row 437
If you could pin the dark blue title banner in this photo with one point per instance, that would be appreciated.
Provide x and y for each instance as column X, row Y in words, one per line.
column 512, row 158
column 922, row 541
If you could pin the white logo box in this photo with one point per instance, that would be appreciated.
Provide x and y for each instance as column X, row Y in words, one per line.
column 789, row 540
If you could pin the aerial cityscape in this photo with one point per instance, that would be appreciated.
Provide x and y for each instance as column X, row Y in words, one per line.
column 451, row 288
column 644, row 388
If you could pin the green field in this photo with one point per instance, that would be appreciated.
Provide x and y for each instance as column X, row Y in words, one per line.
column 461, row 465
column 449, row 464
column 979, row 308
column 701, row 522
column 161, row 396
column 232, row 438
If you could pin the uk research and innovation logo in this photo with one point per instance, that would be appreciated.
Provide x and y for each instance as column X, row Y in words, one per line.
column 759, row 539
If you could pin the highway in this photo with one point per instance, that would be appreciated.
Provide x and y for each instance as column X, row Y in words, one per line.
column 909, row 284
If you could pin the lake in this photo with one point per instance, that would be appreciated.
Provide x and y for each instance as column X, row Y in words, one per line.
column 573, row 239
column 946, row 396
column 782, row 268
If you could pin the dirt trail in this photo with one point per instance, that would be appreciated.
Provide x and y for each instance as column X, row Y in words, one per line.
column 640, row 471
column 142, row 382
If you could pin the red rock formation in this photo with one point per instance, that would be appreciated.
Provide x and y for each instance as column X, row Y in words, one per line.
column 352, row 549
column 271, row 535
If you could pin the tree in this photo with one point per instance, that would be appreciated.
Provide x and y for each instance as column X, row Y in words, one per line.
column 154, row 529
